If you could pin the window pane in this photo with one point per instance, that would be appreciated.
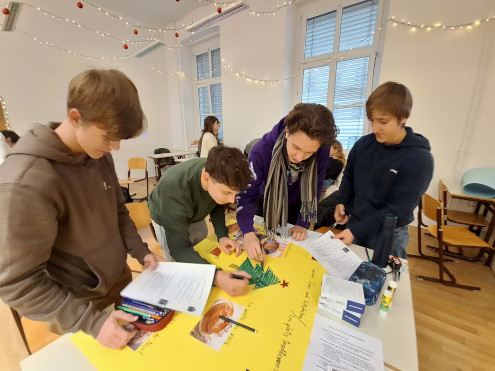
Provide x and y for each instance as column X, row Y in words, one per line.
column 315, row 85
column 203, row 66
column 350, row 122
column 358, row 25
column 204, row 101
column 320, row 34
column 216, row 66
column 351, row 81
column 216, row 98
column 216, row 105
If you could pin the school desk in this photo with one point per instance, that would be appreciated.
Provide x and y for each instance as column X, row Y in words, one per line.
column 157, row 157
column 282, row 316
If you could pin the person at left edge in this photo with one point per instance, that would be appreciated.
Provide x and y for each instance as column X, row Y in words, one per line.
column 186, row 194
column 64, row 228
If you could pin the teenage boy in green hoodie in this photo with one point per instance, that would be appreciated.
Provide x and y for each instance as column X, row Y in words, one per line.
column 190, row 191
column 64, row 229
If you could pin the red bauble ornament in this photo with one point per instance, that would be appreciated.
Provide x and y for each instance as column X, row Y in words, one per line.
column 79, row 5
column 176, row 34
column 136, row 32
column 219, row 10
column 6, row 11
column 125, row 46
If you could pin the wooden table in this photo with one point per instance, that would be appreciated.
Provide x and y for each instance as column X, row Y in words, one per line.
column 455, row 190
column 157, row 157
column 397, row 332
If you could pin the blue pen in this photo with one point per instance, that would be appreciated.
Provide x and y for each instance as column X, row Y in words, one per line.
column 143, row 305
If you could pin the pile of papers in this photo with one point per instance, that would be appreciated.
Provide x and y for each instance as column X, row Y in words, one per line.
column 341, row 298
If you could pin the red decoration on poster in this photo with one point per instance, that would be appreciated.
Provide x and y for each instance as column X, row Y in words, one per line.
column 219, row 10
column 176, row 34
column 125, row 46
column 6, row 11
column 79, row 5
column 284, row 284
column 136, row 32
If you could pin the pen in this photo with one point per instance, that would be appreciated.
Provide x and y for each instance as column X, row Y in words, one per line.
column 237, row 323
column 238, row 277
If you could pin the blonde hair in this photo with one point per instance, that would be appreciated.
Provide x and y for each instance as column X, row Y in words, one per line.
column 339, row 152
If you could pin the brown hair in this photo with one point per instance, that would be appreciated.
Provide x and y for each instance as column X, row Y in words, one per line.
column 390, row 97
column 339, row 155
column 228, row 166
column 108, row 99
column 208, row 124
column 315, row 120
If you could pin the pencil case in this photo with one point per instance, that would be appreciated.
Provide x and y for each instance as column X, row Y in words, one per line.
column 372, row 277
column 152, row 318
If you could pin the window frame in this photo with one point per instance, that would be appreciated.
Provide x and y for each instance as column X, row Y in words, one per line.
column 207, row 83
column 371, row 51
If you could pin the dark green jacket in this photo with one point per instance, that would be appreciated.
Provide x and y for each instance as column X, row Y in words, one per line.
column 179, row 200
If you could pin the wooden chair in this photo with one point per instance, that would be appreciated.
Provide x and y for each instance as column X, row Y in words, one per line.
column 461, row 217
column 137, row 163
column 456, row 236
column 140, row 215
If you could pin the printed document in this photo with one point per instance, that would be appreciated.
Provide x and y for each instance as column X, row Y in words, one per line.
column 183, row 287
column 334, row 256
column 334, row 346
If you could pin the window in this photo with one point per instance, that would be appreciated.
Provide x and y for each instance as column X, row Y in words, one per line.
column 339, row 56
column 209, row 87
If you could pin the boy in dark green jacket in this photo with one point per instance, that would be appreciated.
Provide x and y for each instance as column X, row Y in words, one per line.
column 186, row 194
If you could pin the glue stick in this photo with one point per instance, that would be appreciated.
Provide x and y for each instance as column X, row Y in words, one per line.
column 392, row 287
column 385, row 303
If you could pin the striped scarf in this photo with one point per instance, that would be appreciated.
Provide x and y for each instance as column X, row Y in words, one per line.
column 276, row 199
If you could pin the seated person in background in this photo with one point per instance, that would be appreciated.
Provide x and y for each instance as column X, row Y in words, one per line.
column 249, row 147
column 336, row 163
column 186, row 194
column 209, row 138
column 288, row 166
column 387, row 171
column 11, row 137
column 64, row 229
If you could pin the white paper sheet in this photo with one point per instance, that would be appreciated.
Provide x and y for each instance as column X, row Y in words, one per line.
column 184, row 287
column 334, row 346
column 334, row 256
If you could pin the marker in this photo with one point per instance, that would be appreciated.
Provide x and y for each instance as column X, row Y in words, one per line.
column 237, row 323
column 141, row 314
column 238, row 277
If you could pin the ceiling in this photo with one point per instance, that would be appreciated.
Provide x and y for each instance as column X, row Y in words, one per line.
column 152, row 13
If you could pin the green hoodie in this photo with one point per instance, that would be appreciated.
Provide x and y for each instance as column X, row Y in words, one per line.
column 64, row 233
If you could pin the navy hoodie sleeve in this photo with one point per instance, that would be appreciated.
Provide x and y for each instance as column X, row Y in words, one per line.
column 410, row 183
column 346, row 189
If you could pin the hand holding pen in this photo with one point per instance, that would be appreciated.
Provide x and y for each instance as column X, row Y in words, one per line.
column 340, row 215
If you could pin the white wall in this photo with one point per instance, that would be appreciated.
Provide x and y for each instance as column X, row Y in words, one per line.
column 34, row 76
column 451, row 76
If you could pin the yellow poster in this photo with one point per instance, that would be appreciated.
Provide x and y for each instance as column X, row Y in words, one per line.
column 282, row 313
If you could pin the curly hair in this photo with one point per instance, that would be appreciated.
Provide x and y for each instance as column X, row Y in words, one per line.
column 227, row 165
column 315, row 120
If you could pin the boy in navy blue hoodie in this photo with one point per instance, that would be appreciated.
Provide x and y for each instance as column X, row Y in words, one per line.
column 387, row 171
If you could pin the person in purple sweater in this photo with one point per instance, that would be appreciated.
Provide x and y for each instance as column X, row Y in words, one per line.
column 288, row 166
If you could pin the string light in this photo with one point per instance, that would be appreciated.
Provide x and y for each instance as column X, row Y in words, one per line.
column 67, row 20
column 468, row 26
column 131, row 24
column 5, row 113
column 272, row 12
column 42, row 42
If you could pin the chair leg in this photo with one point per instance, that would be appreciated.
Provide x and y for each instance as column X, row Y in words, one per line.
column 17, row 319
column 442, row 269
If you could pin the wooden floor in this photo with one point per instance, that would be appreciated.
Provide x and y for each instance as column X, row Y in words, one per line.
column 455, row 328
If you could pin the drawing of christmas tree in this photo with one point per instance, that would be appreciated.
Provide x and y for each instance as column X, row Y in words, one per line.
column 260, row 279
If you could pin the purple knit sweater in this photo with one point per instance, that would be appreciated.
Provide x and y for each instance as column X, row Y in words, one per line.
column 259, row 162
